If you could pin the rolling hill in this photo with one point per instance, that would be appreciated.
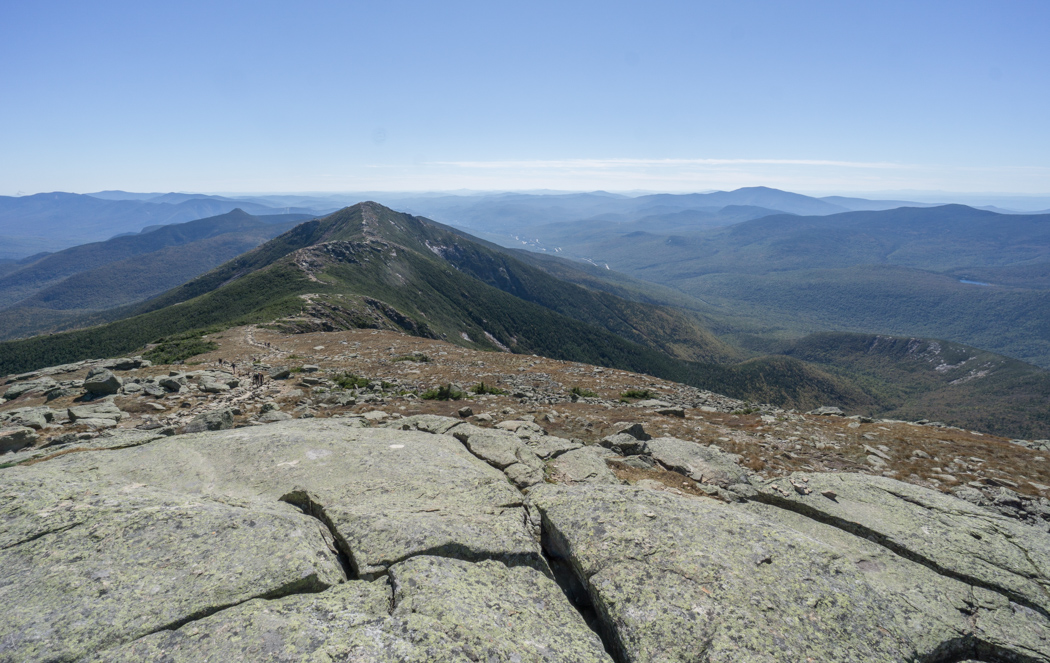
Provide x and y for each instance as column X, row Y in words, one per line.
column 928, row 272
column 131, row 267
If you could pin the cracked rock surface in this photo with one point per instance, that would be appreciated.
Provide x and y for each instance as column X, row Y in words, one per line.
column 438, row 609
column 388, row 494
column 680, row 579
column 432, row 539
column 958, row 539
column 86, row 565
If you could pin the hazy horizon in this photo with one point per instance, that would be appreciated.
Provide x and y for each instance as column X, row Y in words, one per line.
column 411, row 96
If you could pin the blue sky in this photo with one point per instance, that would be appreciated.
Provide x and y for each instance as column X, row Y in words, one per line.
column 675, row 96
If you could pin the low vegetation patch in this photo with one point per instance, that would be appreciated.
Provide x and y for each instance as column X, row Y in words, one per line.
column 580, row 392
column 481, row 389
column 351, row 381
column 446, row 393
column 180, row 347
column 638, row 394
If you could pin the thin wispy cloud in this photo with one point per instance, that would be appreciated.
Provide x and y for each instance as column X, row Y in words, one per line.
column 630, row 163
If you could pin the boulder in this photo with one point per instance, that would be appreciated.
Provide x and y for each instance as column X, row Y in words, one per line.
column 698, row 462
column 92, row 564
column 521, row 428
column 549, row 446
column 210, row 385
column 652, row 402
column 97, row 423
column 672, row 412
column 628, row 439
column 387, row 494
column 828, row 411
column 154, row 389
column 279, row 373
column 976, row 545
column 58, row 392
column 99, row 410
column 172, row 383
column 220, row 419
column 430, row 423
column 32, row 417
column 585, row 465
column 625, row 444
column 496, row 447
column 102, row 381
column 274, row 416
column 16, row 437
column 20, row 388
column 126, row 363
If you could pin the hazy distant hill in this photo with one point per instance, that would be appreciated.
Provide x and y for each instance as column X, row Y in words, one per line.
column 514, row 213
column 54, row 221
column 864, row 204
column 52, row 268
column 53, row 292
column 899, row 271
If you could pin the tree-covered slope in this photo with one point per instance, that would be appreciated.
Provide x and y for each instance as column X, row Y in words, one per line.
column 53, row 268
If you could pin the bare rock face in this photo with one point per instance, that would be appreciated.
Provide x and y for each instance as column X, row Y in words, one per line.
column 430, row 609
column 97, row 564
column 701, row 463
column 101, row 381
column 676, row 578
column 13, row 438
column 432, row 539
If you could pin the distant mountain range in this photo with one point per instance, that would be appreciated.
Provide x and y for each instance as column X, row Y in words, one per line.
column 52, row 221
column 368, row 266
column 951, row 271
column 53, row 291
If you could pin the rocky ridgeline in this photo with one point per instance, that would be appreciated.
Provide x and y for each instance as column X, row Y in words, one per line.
column 429, row 538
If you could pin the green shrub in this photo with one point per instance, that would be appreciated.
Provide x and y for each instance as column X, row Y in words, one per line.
column 481, row 389
column 180, row 347
column 580, row 392
column 640, row 394
column 351, row 381
column 446, row 393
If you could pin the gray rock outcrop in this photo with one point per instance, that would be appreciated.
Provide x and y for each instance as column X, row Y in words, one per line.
column 102, row 381
column 432, row 539
column 676, row 578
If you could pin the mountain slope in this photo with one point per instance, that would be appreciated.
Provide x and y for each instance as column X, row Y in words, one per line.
column 785, row 276
column 912, row 378
column 53, row 268
column 368, row 266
